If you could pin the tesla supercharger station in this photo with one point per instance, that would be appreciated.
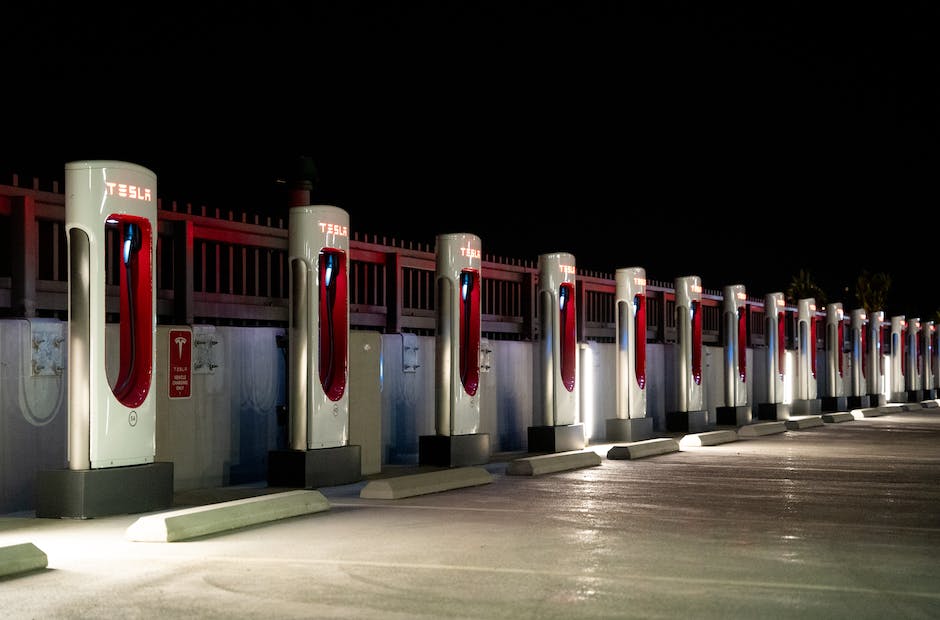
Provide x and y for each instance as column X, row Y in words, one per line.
column 110, row 219
column 806, row 401
column 934, row 363
column 935, row 360
column 736, row 410
column 876, row 364
column 858, row 336
column 912, row 366
column 557, row 408
column 631, row 423
column 318, row 371
column 926, row 370
column 690, row 415
column 457, row 440
column 774, row 408
column 898, row 387
column 834, row 398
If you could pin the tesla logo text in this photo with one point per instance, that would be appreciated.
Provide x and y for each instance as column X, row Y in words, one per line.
column 470, row 252
column 780, row 302
column 696, row 288
column 334, row 229
column 741, row 296
column 639, row 281
column 812, row 307
column 566, row 268
column 128, row 191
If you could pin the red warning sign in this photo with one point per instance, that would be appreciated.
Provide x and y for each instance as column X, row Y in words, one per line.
column 180, row 375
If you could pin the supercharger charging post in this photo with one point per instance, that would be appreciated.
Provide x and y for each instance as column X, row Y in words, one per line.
column 736, row 410
column 876, row 364
column 110, row 219
column 557, row 408
column 631, row 423
column 858, row 335
column 775, row 407
column 913, row 354
column 898, row 386
column 928, row 330
column 457, row 440
column 807, row 401
column 834, row 398
column 935, row 361
column 318, row 373
column 690, row 415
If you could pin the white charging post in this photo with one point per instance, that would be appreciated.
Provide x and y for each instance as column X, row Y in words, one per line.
column 110, row 208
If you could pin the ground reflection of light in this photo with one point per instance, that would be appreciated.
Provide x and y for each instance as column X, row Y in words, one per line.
column 790, row 553
column 586, row 537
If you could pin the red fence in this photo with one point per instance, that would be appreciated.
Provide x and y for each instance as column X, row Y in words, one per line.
column 232, row 269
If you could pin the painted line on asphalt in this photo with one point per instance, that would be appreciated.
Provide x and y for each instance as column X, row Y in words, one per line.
column 685, row 580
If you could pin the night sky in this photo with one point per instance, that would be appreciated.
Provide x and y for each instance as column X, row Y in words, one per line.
column 738, row 144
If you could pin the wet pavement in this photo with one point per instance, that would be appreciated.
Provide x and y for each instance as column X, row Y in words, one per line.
column 834, row 521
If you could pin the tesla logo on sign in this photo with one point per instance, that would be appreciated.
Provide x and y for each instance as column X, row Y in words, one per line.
column 470, row 251
column 180, row 375
column 334, row 229
column 125, row 190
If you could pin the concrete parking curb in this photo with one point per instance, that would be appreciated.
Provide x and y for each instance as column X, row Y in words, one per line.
column 425, row 483
column 841, row 416
column 711, row 438
column 198, row 521
column 22, row 558
column 642, row 449
column 796, row 424
column 551, row 463
column 762, row 428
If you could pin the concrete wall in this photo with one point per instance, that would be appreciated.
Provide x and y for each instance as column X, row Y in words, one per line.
column 33, row 424
column 222, row 434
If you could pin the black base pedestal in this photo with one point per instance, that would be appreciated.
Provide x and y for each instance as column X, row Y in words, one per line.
column 806, row 406
column 876, row 400
column 915, row 396
column 686, row 421
column 739, row 415
column 930, row 394
column 454, row 450
column 834, row 403
column 90, row 493
column 773, row 411
column 319, row 467
column 858, row 402
column 563, row 438
column 629, row 430
column 898, row 397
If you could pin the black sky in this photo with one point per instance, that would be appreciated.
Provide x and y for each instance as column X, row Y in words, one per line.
column 739, row 143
